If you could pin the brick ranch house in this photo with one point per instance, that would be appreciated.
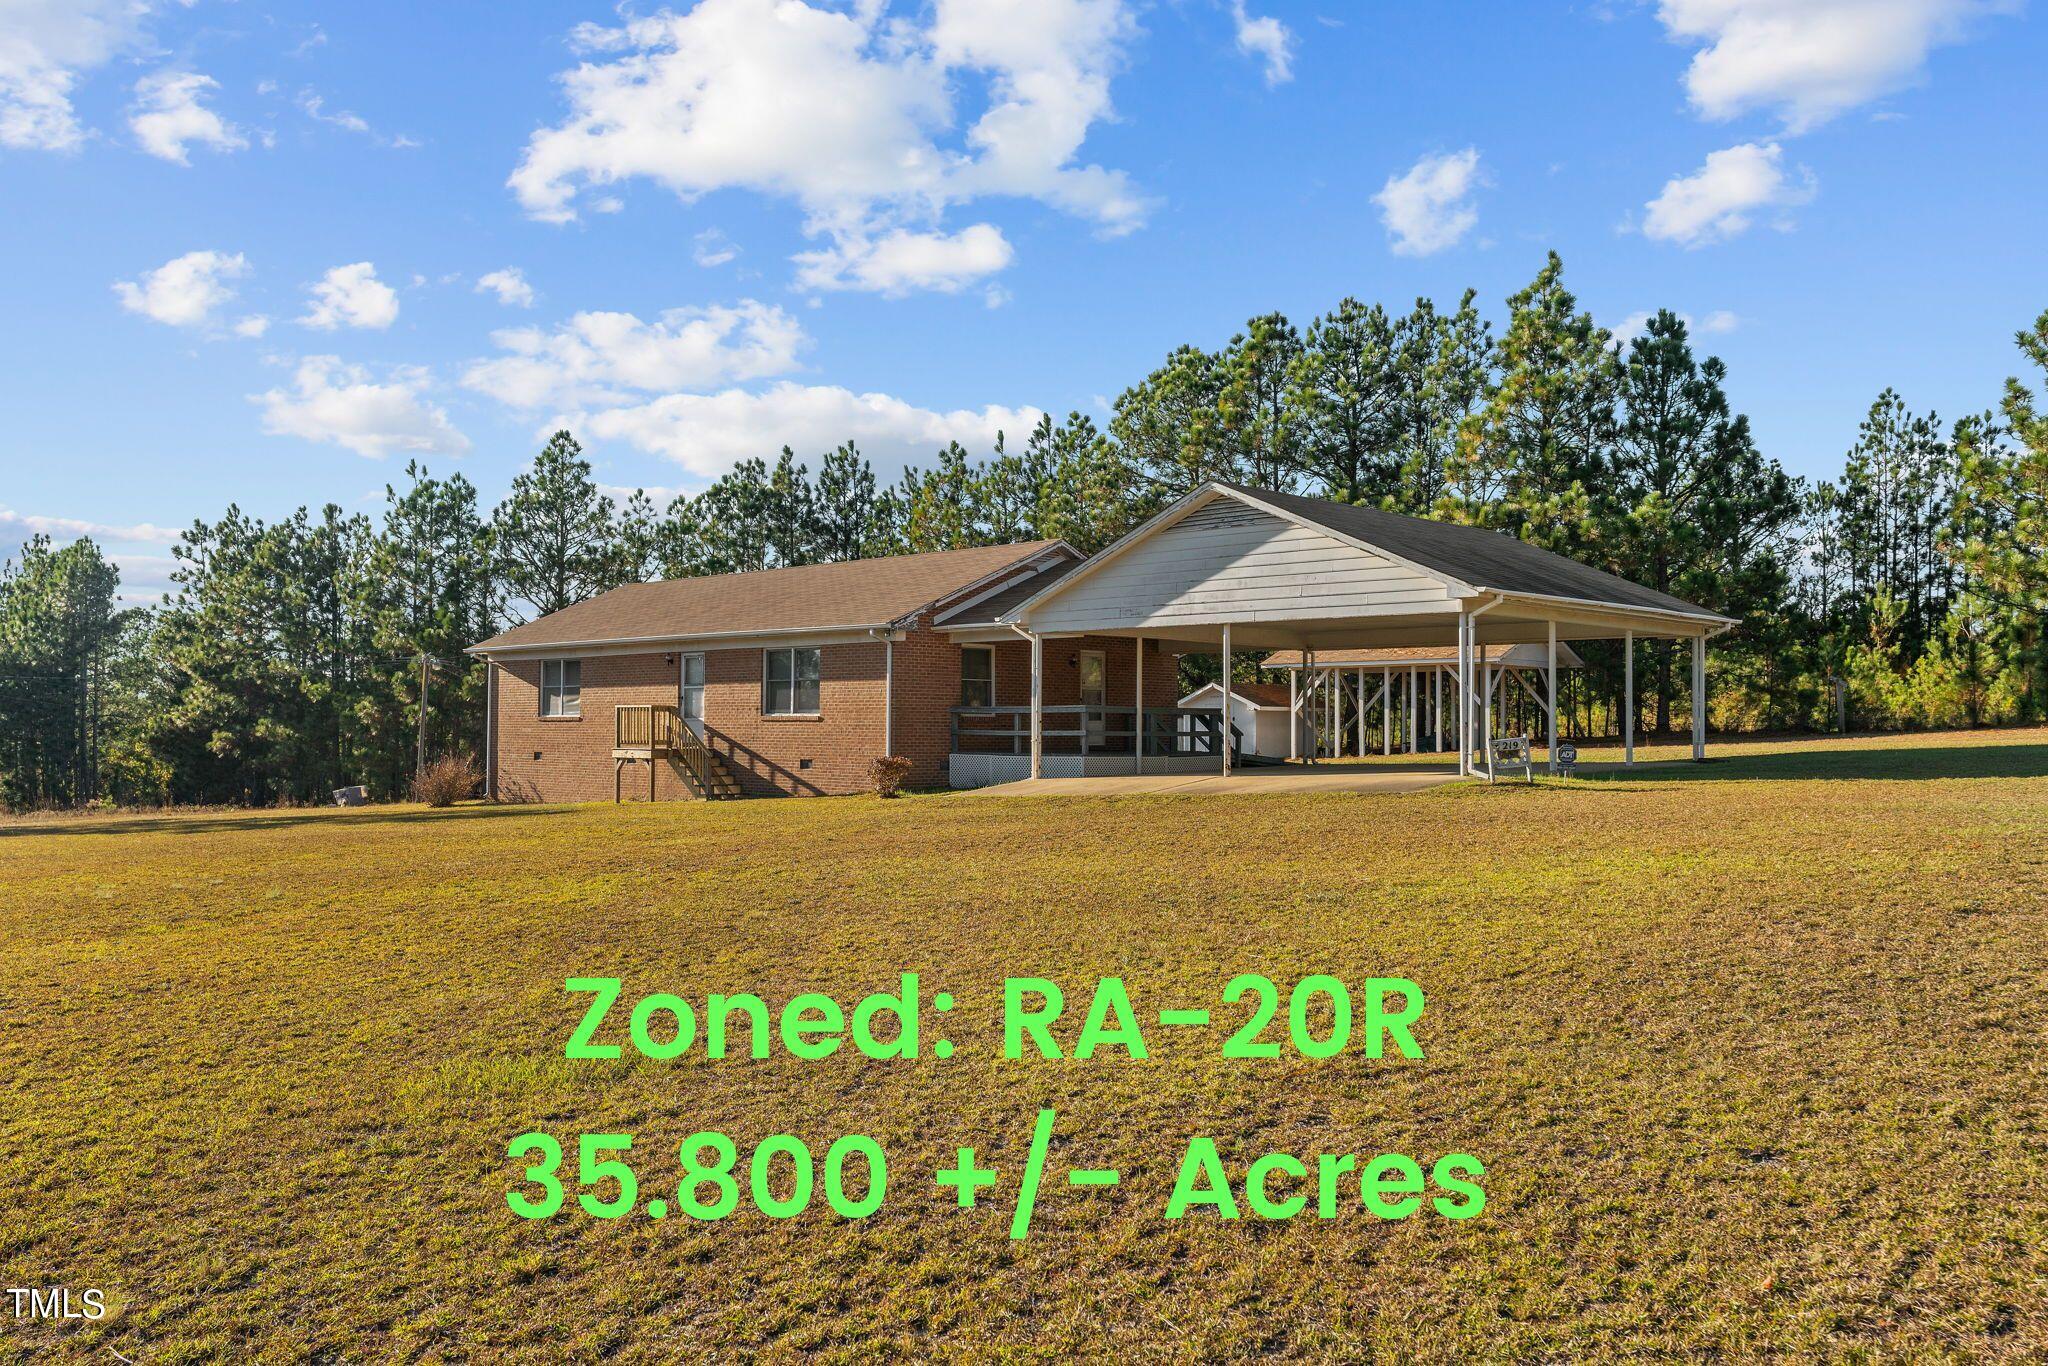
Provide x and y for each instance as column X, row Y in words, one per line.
column 792, row 681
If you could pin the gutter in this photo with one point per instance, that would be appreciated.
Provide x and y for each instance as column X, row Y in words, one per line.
column 1600, row 604
column 546, row 646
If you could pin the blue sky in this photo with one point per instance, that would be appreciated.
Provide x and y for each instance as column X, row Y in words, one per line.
column 266, row 252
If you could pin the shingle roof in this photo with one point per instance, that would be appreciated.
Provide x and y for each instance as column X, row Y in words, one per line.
column 1521, row 656
column 1258, row 695
column 858, row 593
column 1481, row 558
column 991, row 608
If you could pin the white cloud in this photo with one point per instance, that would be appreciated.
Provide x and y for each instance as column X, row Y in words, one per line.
column 709, row 433
column 1721, row 199
column 898, row 262
column 342, row 404
column 255, row 325
column 509, row 285
column 1429, row 207
column 314, row 106
column 44, row 45
column 611, row 358
column 351, row 296
column 1637, row 323
column 849, row 114
column 1810, row 59
column 70, row 528
column 184, row 292
column 168, row 116
column 1267, row 39
column 712, row 248
column 145, row 579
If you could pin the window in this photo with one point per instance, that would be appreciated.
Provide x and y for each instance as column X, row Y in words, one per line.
column 561, row 687
column 977, row 676
column 789, row 683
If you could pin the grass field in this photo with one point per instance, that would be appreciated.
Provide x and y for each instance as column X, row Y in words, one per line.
column 1752, row 1053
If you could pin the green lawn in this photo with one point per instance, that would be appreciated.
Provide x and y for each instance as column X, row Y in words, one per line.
column 1752, row 1053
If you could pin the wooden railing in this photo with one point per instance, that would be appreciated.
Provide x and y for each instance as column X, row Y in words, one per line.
column 1089, row 730
column 695, row 758
column 649, row 727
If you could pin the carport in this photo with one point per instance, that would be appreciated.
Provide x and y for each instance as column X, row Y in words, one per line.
column 1228, row 569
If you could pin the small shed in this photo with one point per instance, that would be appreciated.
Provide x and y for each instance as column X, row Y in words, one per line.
column 1258, row 711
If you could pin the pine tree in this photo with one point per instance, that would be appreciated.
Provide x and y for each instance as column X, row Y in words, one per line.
column 1346, row 391
column 846, row 515
column 1257, row 422
column 553, row 532
column 1533, row 461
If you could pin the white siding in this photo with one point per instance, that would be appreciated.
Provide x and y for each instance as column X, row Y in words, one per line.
column 1228, row 562
column 1263, row 732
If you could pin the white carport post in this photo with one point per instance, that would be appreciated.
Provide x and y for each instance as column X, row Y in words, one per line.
column 1138, row 706
column 1699, row 697
column 1464, row 694
column 1363, row 708
column 1414, row 730
column 1436, row 711
column 1294, row 710
column 1223, row 740
column 1037, row 705
column 1486, row 715
column 1387, row 709
column 1628, row 698
column 1550, row 693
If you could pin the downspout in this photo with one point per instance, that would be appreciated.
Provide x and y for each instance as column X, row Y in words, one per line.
column 490, row 729
column 888, row 635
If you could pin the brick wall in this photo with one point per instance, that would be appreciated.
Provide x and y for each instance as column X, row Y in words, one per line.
column 769, row 755
column 574, row 762
column 799, row 756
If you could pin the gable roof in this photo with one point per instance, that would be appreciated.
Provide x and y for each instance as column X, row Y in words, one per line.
column 852, row 594
column 1519, row 656
column 1486, row 560
column 1260, row 695
column 990, row 609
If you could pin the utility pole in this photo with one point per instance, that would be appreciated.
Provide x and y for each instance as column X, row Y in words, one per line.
column 420, row 760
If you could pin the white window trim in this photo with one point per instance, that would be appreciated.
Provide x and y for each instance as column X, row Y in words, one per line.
column 992, row 657
column 560, row 689
column 791, row 650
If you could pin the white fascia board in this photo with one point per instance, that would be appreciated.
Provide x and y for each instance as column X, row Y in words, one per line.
column 1700, row 620
column 994, row 581
column 1036, row 565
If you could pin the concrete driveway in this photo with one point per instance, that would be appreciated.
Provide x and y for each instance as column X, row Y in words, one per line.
column 1293, row 778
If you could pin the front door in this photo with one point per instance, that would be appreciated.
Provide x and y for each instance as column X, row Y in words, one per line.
column 693, row 693
column 1094, row 695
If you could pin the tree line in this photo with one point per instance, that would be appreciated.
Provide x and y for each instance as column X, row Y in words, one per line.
column 325, row 649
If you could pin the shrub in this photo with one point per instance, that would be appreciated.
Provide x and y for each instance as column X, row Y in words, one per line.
column 446, row 780
column 886, row 774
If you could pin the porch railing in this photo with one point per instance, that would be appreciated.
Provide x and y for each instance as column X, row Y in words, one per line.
column 1090, row 730
column 651, row 727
